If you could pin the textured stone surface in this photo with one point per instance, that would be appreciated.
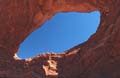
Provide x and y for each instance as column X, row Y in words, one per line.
column 99, row 57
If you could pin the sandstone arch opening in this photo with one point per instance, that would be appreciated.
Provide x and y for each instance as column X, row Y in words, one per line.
column 62, row 32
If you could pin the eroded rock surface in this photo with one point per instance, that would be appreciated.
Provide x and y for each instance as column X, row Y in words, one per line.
column 99, row 57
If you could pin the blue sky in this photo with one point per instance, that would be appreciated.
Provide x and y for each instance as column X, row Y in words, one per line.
column 62, row 32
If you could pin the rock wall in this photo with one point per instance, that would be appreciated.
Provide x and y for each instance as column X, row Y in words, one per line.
column 96, row 58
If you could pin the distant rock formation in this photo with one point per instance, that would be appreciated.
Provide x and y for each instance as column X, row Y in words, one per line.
column 99, row 57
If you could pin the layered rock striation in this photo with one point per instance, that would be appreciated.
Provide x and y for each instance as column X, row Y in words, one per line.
column 96, row 58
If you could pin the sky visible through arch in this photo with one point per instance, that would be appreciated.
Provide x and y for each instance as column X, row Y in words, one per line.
column 62, row 32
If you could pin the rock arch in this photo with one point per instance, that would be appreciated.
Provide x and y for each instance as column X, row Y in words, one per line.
column 98, row 57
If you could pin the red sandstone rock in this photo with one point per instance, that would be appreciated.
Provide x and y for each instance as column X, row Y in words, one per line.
column 99, row 57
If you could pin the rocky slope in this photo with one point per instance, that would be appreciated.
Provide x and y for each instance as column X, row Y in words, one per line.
column 97, row 58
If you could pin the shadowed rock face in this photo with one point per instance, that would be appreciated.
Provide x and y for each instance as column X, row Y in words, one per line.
column 99, row 57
